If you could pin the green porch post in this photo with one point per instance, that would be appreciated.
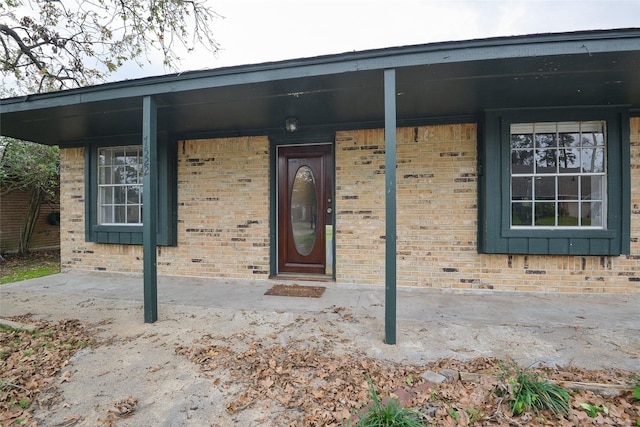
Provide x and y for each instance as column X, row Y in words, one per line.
column 390, row 205
column 150, row 206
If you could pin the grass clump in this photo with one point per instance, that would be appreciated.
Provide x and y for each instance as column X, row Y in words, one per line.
column 18, row 268
column 388, row 414
column 528, row 392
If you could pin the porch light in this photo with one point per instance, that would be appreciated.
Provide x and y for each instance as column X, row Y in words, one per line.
column 291, row 124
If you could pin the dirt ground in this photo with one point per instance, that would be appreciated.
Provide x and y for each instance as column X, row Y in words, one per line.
column 200, row 366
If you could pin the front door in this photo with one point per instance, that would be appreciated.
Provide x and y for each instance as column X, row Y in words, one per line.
column 305, row 204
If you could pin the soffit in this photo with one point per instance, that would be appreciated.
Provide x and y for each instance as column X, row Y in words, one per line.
column 334, row 93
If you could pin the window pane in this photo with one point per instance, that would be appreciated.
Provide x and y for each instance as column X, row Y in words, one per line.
column 592, row 187
column 133, row 195
column 119, row 195
column 106, row 214
column 568, row 187
column 521, row 213
column 131, row 176
column 119, row 213
column 592, row 214
column 545, row 188
column 593, row 160
column 522, row 161
column 105, row 195
column 544, row 140
column 546, row 161
column 568, row 161
column 545, row 213
column 118, row 175
column 118, row 158
column 133, row 215
column 599, row 137
column 592, row 133
column 568, row 213
column 521, row 188
column 521, row 140
column 569, row 139
column 104, row 175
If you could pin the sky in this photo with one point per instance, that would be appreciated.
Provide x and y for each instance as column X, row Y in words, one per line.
column 256, row 31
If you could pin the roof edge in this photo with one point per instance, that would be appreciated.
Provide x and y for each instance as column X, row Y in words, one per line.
column 332, row 63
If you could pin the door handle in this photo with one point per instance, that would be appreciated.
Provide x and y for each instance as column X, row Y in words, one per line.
column 329, row 210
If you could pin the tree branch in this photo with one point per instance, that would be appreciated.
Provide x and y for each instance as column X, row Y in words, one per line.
column 23, row 47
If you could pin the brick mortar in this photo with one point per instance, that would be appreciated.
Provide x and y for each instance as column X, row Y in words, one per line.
column 223, row 214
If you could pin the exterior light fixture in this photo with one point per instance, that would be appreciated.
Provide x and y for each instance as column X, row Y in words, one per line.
column 291, row 124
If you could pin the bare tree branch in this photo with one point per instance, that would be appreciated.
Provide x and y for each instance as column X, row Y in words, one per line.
column 4, row 29
column 69, row 43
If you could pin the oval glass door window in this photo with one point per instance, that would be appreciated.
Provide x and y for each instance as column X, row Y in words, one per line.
column 304, row 210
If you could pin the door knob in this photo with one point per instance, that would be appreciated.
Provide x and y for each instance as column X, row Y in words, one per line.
column 329, row 210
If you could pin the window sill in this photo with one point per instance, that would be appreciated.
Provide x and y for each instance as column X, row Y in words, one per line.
column 561, row 233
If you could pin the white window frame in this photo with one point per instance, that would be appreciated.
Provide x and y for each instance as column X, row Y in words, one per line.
column 119, row 172
column 580, row 128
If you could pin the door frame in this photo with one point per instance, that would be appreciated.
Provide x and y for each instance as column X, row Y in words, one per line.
column 288, row 140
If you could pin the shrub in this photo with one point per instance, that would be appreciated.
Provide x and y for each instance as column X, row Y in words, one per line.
column 389, row 414
column 528, row 392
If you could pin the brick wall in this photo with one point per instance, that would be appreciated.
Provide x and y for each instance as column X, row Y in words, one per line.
column 223, row 214
column 437, row 220
column 223, row 209
column 223, row 217
column 360, row 206
column 12, row 211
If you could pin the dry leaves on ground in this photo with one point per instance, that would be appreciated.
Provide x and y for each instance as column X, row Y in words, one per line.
column 309, row 383
column 30, row 363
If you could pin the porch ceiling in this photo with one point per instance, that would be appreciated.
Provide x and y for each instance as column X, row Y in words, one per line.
column 450, row 81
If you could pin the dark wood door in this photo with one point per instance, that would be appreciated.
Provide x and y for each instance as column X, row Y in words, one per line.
column 304, row 208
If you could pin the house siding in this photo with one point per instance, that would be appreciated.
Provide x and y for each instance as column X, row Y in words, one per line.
column 13, row 207
column 223, row 217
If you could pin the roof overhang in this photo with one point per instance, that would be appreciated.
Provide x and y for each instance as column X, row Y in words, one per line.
column 434, row 82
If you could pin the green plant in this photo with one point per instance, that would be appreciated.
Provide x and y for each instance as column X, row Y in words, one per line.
column 527, row 391
column 475, row 414
column 593, row 410
column 389, row 414
column 24, row 403
column 410, row 380
column 635, row 384
column 454, row 414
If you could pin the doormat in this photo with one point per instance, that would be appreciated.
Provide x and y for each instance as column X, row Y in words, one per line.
column 296, row 291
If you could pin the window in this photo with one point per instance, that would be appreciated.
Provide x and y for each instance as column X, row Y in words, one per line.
column 120, row 185
column 558, row 174
column 113, row 191
column 554, row 181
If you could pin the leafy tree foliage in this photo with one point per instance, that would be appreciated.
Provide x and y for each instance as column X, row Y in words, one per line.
column 58, row 44
column 34, row 168
column 48, row 45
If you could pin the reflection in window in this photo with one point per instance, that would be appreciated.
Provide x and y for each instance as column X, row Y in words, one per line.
column 304, row 210
column 558, row 174
column 120, row 185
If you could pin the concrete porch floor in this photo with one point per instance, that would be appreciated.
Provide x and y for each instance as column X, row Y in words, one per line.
column 593, row 331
